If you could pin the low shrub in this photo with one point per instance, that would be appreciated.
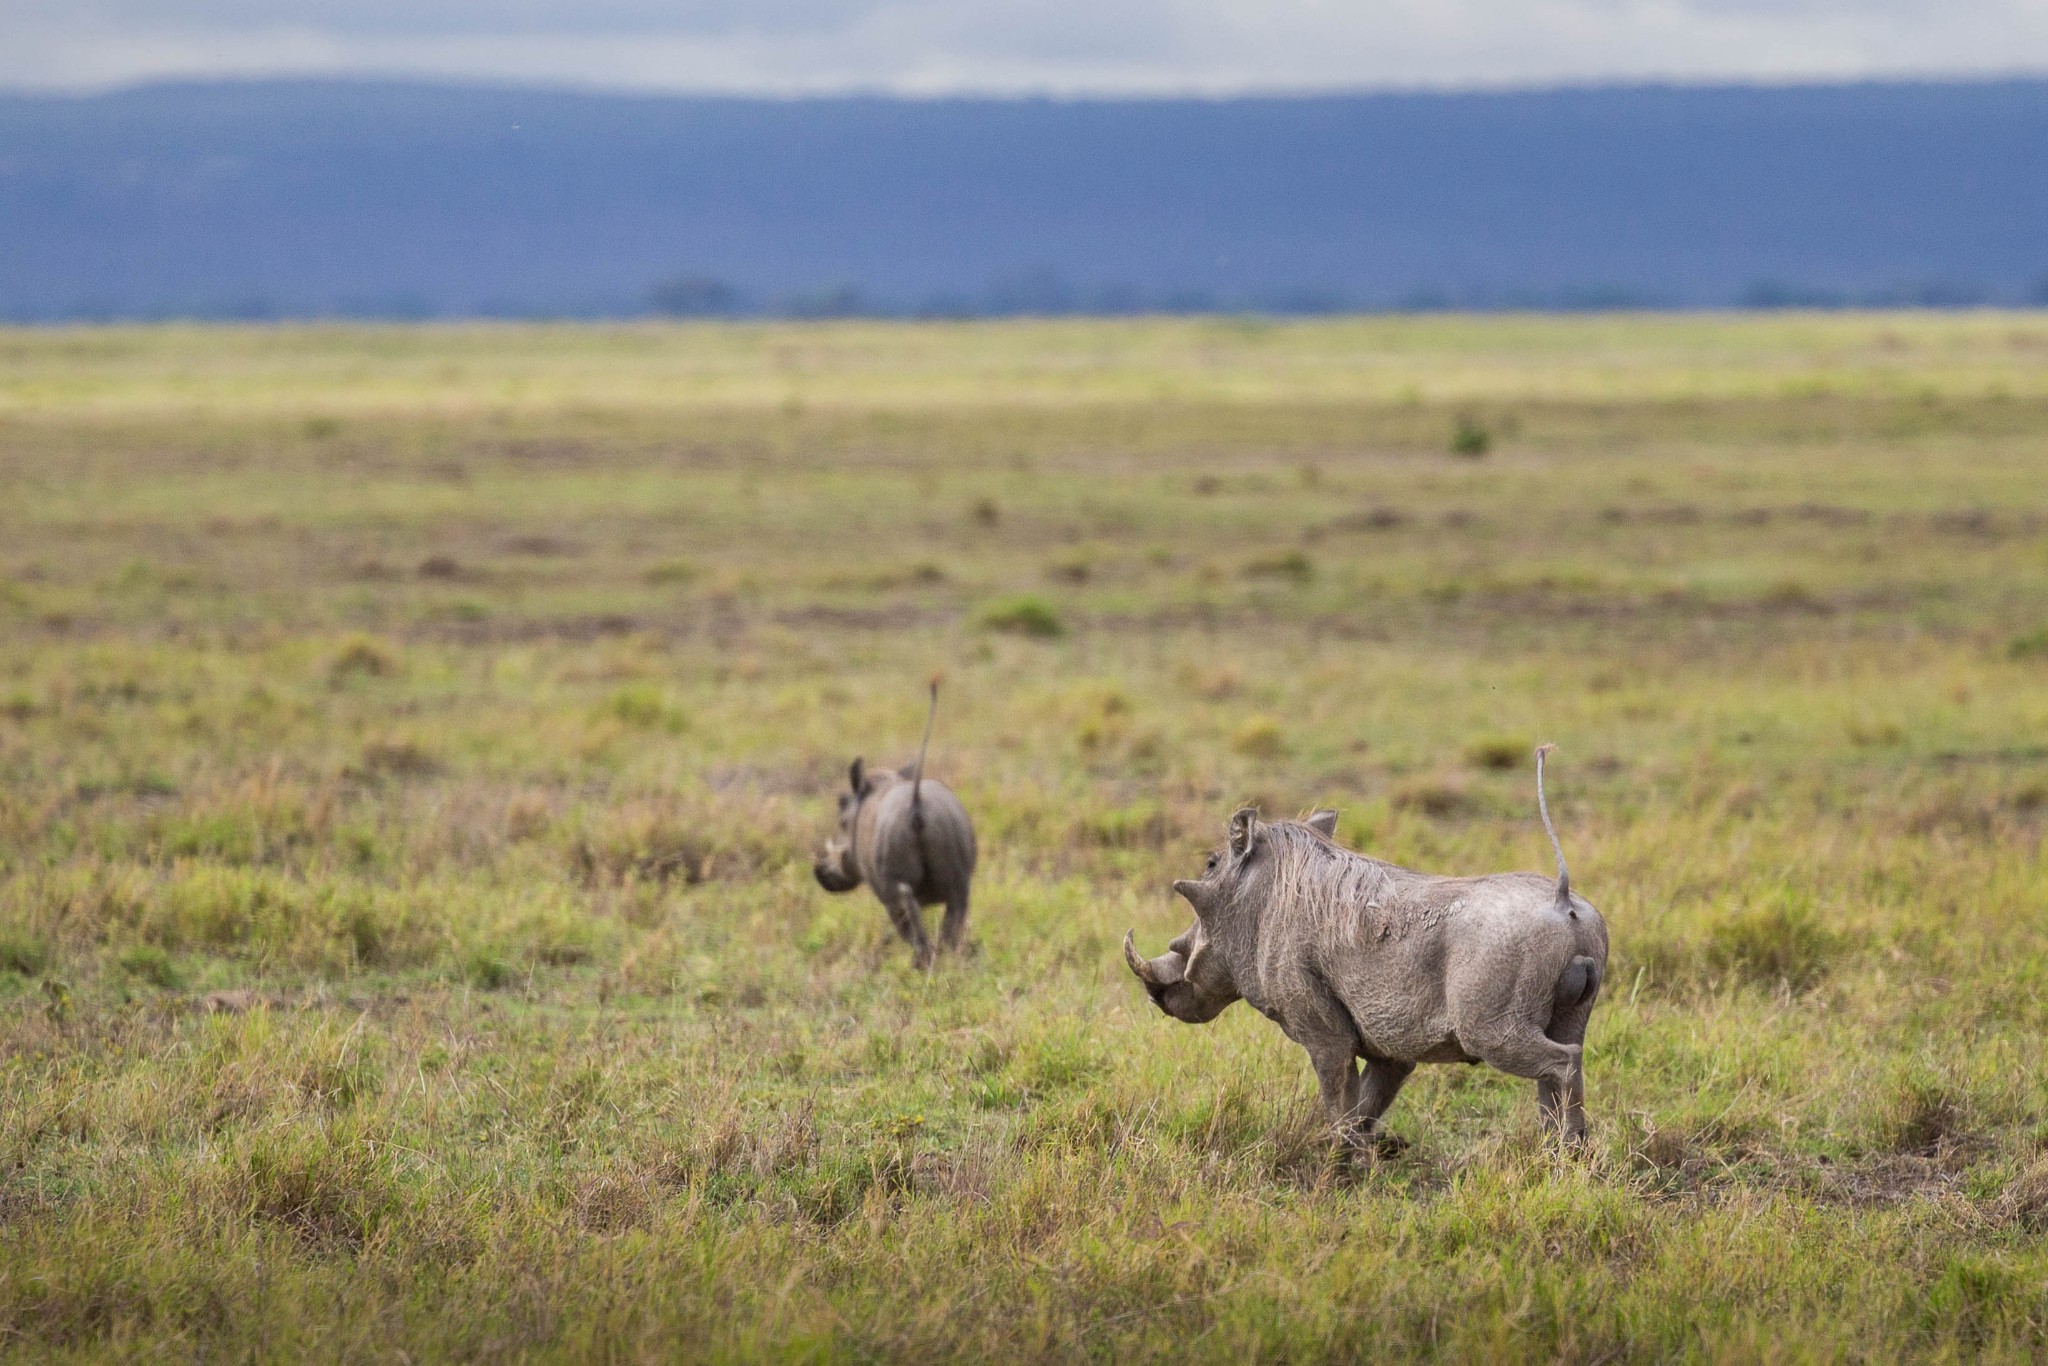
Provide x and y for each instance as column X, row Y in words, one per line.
column 1025, row 615
column 1782, row 940
column 1260, row 737
column 1470, row 439
column 1498, row 752
column 1292, row 565
column 362, row 657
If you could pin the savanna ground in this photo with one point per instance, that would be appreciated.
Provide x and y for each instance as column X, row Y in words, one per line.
column 412, row 743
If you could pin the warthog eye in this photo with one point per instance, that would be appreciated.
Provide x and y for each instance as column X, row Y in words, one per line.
column 1210, row 866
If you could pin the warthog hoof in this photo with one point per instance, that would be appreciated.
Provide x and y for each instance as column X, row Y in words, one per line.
column 1371, row 1143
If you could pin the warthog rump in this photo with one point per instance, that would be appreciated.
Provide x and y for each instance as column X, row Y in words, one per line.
column 1356, row 958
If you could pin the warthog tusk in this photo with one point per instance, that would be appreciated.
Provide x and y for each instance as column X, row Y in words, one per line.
column 1138, row 964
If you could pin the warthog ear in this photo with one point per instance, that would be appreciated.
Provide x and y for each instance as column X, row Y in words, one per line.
column 1244, row 828
column 1323, row 822
column 856, row 773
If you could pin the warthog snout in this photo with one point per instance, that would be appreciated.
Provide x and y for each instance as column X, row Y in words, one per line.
column 1172, row 990
column 833, row 868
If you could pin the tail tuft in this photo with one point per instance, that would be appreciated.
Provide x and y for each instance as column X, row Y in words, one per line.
column 1564, row 877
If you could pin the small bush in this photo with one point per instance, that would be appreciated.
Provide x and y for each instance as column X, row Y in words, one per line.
column 325, row 1192
column 1292, row 565
column 1783, row 941
column 483, row 968
column 1025, row 616
column 1875, row 734
column 1470, row 439
column 1793, row 595
column 1498, row 752
column 1974, row 1299
column 671, row 573
column 614, row 1202
column 1261, row 737
column 148, row 963
column 1141, row 825
column 23, row 953
column 1060, row 1062
column 362, row 657
column 1070, row 569
column 558, row 938
column 1433, row 797
column 1370, row 519
column 645, row 707
column 682, row 839
column 2025, row 1201
column 2032, row 645
column 397, row 758
column 1920, row 1117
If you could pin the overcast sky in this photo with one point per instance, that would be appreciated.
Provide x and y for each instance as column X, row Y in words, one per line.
column 1057, row 46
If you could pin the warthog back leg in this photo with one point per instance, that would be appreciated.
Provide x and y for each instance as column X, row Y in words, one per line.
column 953, row 929
column 1382, row 1082
column 1552, row 1065
column 908, row 917
column 1563, row 1104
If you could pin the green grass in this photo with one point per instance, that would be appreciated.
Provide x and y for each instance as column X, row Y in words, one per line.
column 412, row 742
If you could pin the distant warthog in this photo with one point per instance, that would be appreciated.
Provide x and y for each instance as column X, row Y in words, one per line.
column 1356, row 958
column 908, row 837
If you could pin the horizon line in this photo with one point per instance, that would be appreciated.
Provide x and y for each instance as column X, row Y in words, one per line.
column 1191, row 94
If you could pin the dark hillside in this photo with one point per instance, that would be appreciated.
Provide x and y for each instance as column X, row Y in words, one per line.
column 397, row 200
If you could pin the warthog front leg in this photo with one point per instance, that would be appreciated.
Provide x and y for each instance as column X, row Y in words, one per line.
column 908, row 918
column 1337, row 1077
column 1382, row 1082
column 1355, row 1103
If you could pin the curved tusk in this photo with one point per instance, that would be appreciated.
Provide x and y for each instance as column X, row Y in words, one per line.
column 1138, row 964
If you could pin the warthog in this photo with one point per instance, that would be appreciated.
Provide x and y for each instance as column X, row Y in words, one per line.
column 908, row 837
column 1357, row 958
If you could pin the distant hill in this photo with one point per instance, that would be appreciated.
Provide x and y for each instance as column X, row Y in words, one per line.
column 336, row 198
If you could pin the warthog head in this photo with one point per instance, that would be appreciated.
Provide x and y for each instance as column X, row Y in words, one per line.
column 835, row 867
column 1190, row 981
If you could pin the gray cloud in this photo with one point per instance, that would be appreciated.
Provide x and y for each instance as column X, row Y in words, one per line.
column 1134, row 46
column 355, row 19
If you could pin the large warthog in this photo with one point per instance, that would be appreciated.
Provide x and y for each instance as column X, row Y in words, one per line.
column 1356, row 958
column 908, row 837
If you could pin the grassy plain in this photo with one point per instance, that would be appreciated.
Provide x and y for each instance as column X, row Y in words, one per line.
column 412, row 740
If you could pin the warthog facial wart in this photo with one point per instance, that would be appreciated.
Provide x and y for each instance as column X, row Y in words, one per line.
column 1356, row 958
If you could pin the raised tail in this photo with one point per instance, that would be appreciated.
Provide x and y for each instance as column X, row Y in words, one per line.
column 917, row 774
column 1564, row 876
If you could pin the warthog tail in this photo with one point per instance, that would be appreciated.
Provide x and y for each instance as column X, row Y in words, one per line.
column 1564, row 877
column 917, row 774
